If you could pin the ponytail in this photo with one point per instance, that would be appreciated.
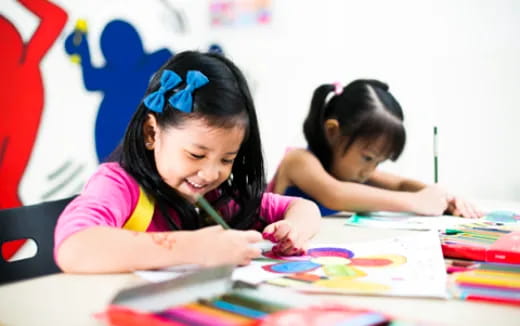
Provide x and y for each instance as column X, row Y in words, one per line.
column 313, row 127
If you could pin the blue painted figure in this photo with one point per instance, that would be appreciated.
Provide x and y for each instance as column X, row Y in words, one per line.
column 123, row 79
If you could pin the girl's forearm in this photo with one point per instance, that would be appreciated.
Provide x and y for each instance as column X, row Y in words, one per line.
column 112, row 250
column 359, row 198
column 411, row 185
column 304, row 212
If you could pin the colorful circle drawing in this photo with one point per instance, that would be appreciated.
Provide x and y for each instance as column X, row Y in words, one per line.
column 292, row 267
column 340, row 269
column 330, row 252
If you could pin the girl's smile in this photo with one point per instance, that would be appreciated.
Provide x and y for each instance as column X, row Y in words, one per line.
column 193, row 158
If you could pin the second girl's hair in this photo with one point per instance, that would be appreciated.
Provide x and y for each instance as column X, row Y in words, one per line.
column 224, row 102
column 364, row 109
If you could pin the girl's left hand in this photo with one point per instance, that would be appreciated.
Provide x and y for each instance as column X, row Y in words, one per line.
column 289, row 241
column 459, row 207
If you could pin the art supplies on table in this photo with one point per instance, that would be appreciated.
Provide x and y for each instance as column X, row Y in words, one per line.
column 483, row 242
column 404, row 221
column 503, row 217
column 209, row 297
column 408, row 265
column 410, row 221
column 488, row 282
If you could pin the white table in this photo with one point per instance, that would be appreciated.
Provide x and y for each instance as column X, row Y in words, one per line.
column 63, row 299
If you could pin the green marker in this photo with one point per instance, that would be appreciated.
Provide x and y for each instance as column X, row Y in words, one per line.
column 452, row 231
column 212, row 212
column 435, row 156
column 264, row 245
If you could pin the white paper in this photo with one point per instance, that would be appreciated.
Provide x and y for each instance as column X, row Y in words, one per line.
column 422, row 274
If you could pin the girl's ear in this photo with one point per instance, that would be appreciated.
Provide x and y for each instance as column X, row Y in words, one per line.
column 149, row 131
column 332, row 131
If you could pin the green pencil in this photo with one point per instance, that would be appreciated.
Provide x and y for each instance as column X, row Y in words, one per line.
column 435, row 156
column 212, row 212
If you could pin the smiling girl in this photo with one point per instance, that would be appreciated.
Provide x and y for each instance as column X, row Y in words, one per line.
column 194, row 134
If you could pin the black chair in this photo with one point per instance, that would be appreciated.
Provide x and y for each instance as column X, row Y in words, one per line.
column 35, row 222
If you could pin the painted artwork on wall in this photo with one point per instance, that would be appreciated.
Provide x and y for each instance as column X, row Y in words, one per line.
column 122, row 79
column 238, row 13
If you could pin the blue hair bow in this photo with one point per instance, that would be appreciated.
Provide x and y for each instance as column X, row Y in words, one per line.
column 182, row 100
column 155, row 100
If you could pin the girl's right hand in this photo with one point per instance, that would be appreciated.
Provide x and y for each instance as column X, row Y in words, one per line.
column 216, row 246
column 432, row 200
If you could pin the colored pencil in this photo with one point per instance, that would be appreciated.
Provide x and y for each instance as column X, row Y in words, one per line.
column 212, row 212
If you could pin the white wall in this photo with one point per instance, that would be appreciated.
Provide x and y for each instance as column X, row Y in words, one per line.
column 454, row 64
column 450, row 63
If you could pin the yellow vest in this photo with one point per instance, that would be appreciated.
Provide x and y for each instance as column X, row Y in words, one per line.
column 142, row 215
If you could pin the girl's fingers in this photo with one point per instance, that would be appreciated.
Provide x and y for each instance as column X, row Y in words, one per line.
column 252, row 236
column 281, row 231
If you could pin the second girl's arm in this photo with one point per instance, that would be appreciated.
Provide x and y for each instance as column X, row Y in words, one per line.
column 306, row 172
column 391, row 181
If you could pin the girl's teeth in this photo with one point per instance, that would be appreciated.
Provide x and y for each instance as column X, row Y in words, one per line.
column 196, row 185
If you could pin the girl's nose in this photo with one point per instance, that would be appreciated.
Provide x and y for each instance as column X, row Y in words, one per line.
column 366, row 172
column 209, row 173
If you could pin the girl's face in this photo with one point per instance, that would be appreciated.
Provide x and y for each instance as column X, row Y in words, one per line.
column 359, row 161
column 193, row 158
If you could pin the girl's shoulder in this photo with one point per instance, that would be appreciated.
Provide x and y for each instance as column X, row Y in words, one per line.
column 112, row 174
column 297, row 156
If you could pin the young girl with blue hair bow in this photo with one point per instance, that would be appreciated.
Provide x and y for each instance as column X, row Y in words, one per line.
column 194, row 134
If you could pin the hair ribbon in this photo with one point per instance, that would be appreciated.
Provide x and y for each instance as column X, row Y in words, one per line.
column 183, row 99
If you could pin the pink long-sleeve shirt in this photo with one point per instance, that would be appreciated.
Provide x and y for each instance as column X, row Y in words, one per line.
column 111, row 194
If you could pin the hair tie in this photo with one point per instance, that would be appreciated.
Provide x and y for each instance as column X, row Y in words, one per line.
column 338, row 88
column 183, row 100
column 155, row 101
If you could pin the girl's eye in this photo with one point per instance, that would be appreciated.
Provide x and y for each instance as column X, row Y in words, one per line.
column 225, row 161
column 368, row 158
column 195, row 156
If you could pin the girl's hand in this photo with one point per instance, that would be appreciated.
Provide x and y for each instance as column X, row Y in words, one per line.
column 289, row 240
column 431, row 200
column 216, row 246
column 459, row 207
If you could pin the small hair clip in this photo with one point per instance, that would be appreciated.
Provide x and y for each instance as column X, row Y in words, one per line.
column 155, row 101
column 338, row 88
column 183, row 100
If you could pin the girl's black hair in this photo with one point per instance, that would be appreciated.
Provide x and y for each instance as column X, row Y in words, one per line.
column 224, row 102
column 365, row 109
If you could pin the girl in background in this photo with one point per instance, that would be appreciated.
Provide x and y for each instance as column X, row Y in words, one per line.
column 350, row 131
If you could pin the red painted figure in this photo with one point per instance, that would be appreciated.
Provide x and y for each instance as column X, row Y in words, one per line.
column 21, row 95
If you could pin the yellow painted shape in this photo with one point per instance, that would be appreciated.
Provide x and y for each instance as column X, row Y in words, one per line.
column 344, row 271
column 81, row 25
column 75, row 58
column 341, row 283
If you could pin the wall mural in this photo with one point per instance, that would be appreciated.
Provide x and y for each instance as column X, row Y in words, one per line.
column 122, row 80
column 121, row 77
column 22, row 97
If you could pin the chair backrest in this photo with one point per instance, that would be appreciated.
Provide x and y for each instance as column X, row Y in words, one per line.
column 35, row 222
